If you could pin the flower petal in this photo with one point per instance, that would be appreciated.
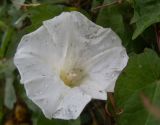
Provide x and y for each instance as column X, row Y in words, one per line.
column 42, row 84
column 69, row 42
column 60, row 29
column 31, row 66
column 72, row 104
column 47, row 93
column 87, row 42
column 92, row 88
column 41, row 44
column 82, row 38
column 105, row 67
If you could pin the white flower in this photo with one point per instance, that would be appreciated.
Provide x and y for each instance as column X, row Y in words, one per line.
column 67, row 62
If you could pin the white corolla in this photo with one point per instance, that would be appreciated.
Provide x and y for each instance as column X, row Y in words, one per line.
column 67, row 62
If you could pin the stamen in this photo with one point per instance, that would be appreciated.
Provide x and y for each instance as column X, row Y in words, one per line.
column 71, row 78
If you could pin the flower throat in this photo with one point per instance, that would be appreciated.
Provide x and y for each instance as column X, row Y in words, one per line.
column 71, row 78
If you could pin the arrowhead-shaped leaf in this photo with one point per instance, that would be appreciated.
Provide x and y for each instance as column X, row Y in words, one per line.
column 141, row 76
column 146, row 13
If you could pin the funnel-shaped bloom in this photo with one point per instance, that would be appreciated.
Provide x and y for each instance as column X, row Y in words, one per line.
column 67, row 62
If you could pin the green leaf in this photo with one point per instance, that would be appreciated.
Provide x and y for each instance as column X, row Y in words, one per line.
column 10, row 96
column 42, row 121
column 41, row 13
column 3, row 26
column 116, row 17
column 111, row 17
column 96, row 3
column 7, row 67
column 54, row 1
column 5, row 41
column 1, row 100
column 146, row 13
column 99, row 0
column 12, row 46
column 142, row 75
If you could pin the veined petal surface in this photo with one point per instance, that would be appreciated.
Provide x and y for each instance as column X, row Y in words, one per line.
column 64, row 49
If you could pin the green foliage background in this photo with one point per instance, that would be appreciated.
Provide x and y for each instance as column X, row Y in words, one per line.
column 137, row 22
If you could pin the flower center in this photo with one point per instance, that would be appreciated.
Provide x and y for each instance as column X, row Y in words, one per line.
column 71, row 78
